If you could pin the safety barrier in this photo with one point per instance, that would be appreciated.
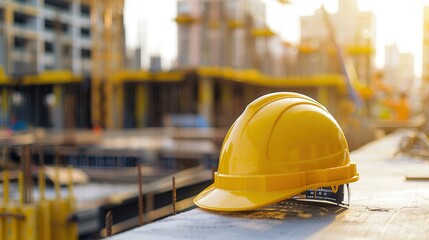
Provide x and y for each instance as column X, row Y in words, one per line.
column 44, row 219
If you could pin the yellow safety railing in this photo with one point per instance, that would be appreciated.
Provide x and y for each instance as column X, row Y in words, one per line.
column 4, row 79
column 247, row 76
column 52, row 77
column 42, row 220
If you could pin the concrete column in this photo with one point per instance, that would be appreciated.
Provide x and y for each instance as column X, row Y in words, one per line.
column 141, row 105
column 117, row 105
column 40, row 42
column 4, row 105
column 75, row 34
column 226, row 103
column 205, row 99
column 9, row 37
column 58, row 108
column 3, row 50
column 108, row 104
column 323, row 96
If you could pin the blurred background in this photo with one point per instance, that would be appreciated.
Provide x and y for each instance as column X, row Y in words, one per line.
column 91, row 90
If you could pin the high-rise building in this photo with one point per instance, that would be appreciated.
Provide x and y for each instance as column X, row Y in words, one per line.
column 398, row 68
column 86, row 37
column 316, row 51
column 425, row 67
column 43, row 35
column 155, row 63
column 222, row 33
column 406, row 71
column 134, row 59
column 354, row 31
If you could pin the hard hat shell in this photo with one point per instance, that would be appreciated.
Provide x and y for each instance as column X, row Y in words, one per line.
column 282, row 144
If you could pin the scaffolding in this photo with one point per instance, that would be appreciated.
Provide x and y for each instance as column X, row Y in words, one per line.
column 107, row 58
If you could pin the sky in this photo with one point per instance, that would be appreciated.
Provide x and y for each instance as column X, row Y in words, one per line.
column 398, row 21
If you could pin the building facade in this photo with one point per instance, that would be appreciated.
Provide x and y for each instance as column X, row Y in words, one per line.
column 354, row 32
column 425, row 67
column 398, row 68
column 43, row 35
column 85, row 37
column 222, row 33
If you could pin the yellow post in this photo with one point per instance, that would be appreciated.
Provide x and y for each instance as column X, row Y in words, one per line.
column 5, row 103
column 59, row 214
column 6, row 186
column 59, row 207
column 43, row 207
column 72, row 226
column 119, row 104
column 2, row 222
column 43, row 223
column 58, row 93
column 10, row 224
column 21, row 187
column 323, row 96
column 27, row 226
column 205, row 97
column 140, row 105
column 73, row 233
column 226, row 103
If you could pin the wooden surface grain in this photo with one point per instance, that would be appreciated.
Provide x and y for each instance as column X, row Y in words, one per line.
column 384, row 205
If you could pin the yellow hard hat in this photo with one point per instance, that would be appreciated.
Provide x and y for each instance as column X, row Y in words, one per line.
column 281, row 145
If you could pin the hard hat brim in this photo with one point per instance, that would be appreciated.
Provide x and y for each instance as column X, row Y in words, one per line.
column 216, row 199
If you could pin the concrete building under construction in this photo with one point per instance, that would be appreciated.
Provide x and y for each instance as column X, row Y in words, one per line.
column 357, row 31
column 425, row 67
column 83, row 37
column 222, row 33
column 45, row 35
column 398, row 68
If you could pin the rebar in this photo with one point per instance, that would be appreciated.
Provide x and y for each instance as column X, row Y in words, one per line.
column 174, row 195
column 139, row 172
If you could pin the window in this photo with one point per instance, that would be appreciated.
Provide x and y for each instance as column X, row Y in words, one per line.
column 19, row 18
column 20, row 42
column 231, row 8
column 183, row 7
column 49, row 67
column 85, row 10
column 22, row 1
column 1, row 16
column 85, row 53
column 67, row 50
column 49, row 47
column 85, row 32
column 52, row 25
column 61, row 5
